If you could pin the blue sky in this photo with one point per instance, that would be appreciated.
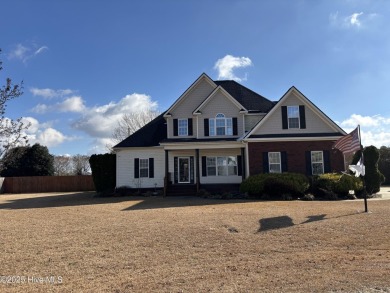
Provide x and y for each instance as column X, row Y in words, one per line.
column 85, row 63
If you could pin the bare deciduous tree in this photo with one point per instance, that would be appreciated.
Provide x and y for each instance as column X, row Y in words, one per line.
column 81, row 165
column 12, row 132
column 63, row 165
column 130, row 123
column 71, row 165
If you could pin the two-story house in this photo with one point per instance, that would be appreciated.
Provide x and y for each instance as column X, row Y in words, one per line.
column 217, row 133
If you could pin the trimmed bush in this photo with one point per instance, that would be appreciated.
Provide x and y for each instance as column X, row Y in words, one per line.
column 373, row 177
column 253, row 185
column 103, row 173
column 275, row 185
column 335, row 185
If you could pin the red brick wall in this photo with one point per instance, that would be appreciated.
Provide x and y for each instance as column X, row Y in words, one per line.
column 295, row 154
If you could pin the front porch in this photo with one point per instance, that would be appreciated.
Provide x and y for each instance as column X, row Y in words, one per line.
column 213, row 166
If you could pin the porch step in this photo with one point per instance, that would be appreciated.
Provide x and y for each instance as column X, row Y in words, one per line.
column 182, row 190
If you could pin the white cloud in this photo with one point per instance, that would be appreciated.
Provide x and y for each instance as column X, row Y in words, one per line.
column 51, row 93
column 34, row 124
column 43, row 133
column 50, row 137
column 40, row 50
column 356, row 20
column 23, row 52
column 19, row 52
column 40, row 109
column 100, row 121
column 374, row 129
column 72, row 104
column 97, row 122
column 226, row 65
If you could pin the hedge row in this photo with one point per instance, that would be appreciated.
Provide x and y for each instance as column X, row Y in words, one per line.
column 293, row 185
column 275, row 184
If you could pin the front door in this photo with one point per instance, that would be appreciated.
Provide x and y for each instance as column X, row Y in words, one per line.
column 183, row 166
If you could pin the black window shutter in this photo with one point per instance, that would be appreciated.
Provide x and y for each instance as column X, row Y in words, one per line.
column 302, row 117
column 327, row 168
column 309, row 170
column 151, row 167
column 206, row 127
column 284, row 117
column 175, row 171
column 265, row 163
column 284, row 161
column 175, row 127
column 190, row 127
column 235, row 128
column 239, row 165
column 136, row 168
column 204, row 166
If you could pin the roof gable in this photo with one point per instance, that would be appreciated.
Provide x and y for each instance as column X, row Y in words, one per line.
column 221, row 90
column 294, row 93
column 202, row 78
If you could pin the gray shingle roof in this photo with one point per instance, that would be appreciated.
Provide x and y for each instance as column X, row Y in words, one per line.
column 249, row 99
column 149, row 135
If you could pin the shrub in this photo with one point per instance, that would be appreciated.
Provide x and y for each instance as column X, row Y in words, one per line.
column 275, row 185
column 253, row 185
column 103, row 172
column 373, row 177
column 333, row 185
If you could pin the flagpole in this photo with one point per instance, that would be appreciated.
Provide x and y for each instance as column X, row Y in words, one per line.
column 364, row 181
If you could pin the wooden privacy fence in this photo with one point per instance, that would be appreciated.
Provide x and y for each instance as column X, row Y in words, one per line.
column 47, row 184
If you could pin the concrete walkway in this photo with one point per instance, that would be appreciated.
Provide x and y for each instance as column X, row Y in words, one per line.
column 384, row 193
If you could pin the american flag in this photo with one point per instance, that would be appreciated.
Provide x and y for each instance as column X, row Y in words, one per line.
column 348, row 143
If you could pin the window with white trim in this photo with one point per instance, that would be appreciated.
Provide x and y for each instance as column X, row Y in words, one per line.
column 221, row 166
column 293, row 116
column 220, row 125
column 317, row 162
column 275, row 162
column 143, row 168
column 183, row 127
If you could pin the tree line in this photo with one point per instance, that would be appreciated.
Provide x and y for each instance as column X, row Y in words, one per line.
column 36, row 160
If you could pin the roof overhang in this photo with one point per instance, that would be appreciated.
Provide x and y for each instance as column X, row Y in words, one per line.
column 202, row 145
column 289, row 139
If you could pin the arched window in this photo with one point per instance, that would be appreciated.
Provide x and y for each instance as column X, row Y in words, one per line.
column 220, row 125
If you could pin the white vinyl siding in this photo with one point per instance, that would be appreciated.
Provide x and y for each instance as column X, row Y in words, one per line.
column 314, row 123
column 125, row 167
column 188, row 103
column 252, row 120
column 217, row 105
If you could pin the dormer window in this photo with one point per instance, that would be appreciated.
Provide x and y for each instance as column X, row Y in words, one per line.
column 220, row 125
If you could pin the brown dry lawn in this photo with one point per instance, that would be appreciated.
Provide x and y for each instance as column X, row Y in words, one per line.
column 189, row 244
